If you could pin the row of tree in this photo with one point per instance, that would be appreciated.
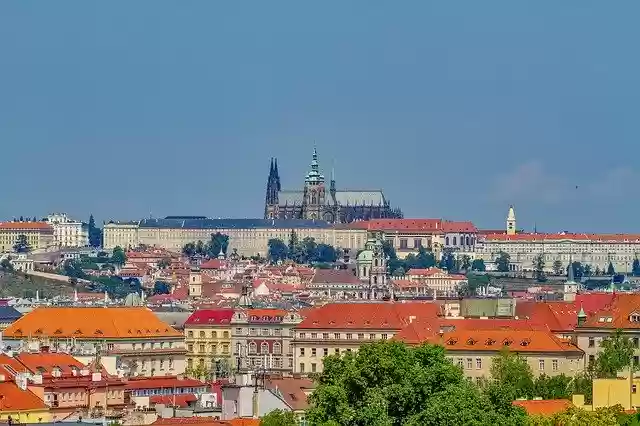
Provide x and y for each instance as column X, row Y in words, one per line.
column 301, row 251
column 390, row 383
column 211, row 249
column 580, row 270
column 425, row 258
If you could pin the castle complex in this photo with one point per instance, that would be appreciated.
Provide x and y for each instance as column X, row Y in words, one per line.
column 314, row 201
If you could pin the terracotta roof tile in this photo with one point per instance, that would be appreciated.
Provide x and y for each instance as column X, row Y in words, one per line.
column 614, row 238
column 291, row 390
column 544, row 407
column 210, row 317
column 12, row 398
column 103, row 323
column 26, row 226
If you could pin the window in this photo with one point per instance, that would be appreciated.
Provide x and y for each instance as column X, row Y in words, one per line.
column 202, row 334
column 264, row 348
column 313, row 351
column 479, row 363
column 417, row 242
column 349, row 336
column 314, row 335
column 301, row 351
column 459, row 362
column 455, row 241
column 361, row 336
column 336, row 335
column 325, row 351
column 253, row 331
column 554, row 365
column 225, row 349
column 469, row 363
column 265, row 331
column 636, row 360
column 277, row 348
column 190, row 347
column 313, row 367
column 238, row 331
column 372, row 336
column 541, row 364
column 337, row 351
column 202, row 350
column 592, row 342
column 635, row 342
column 303, row 335
column 277, row 332
column 384, row 336
column 225, row 334
column 403, row 243
column 253, row 348
column 302, row 367
column 592, row 359
column 190, row 334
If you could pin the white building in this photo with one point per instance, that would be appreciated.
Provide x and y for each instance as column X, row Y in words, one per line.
column 68, row 232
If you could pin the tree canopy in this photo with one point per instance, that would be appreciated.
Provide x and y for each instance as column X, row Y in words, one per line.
column 301, row 251
column 118, row 257
column 502, row 262
column 22, row 244
column 390, row 383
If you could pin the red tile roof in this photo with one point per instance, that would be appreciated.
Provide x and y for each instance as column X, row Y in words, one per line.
column 291, row 390
column 12, row 399
column 614, row 238
column 334, row 276
column 46, row 362
column 210, row 317
column 617, row 314
column 174, row 400
column 544, row 407
column 373, row 316
column 212, row 264
column 415, row 225
column 26, row 226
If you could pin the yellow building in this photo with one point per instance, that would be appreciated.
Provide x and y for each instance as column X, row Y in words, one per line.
column 39, row 235
column 249, row 237
column 142, row 344
column 21, row 405
column 208, row 337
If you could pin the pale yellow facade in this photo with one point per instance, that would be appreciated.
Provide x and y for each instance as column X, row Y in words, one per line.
column 247, row 242
column 206, row 345
column 26, row 416
column 38, row 238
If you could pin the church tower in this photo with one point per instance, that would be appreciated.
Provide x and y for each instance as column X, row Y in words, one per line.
column 314, row 191
column 273, row 187
column 511, row 221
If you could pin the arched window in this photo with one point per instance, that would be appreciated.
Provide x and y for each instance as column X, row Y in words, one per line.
column 375, row 280
column 467, row 240
column 264, row 348
column 364, row 271
column 252, row 347
column 446, row 241
column 455, row 241
column 277, row 349
column 375, row 262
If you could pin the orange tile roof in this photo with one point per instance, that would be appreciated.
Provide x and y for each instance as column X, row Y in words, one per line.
column 12, row 399
column 90, row 323
column 9, row 366
column 48, row 361
column 291, row 390
column 374, row 316
column 26, row 226
column 495, row 340
column 604, row 238
column 434, row 226
column 544, row 407
column 617, row 314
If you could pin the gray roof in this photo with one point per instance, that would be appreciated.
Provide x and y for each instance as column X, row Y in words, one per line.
column 346, row 197
column 9, row 313
column 222, row 224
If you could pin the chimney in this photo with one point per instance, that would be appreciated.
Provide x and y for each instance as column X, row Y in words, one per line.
column 255, row 407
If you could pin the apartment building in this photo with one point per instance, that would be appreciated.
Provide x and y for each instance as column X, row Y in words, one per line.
column 339, row 327
column 262, row 338
column 142, row 344
column 249, row 237
column 430, row 281
column 39, row 235
column 208, row 338
column 68, row 232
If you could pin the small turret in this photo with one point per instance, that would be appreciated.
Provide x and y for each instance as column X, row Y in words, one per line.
column 582, row 316
column 511, row 221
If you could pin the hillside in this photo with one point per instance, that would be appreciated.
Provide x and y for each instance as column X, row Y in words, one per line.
column 14, row 284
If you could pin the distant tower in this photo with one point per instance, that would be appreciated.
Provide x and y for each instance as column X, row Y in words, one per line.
column 195, row 282
column 314, row 191
column 511, row 221
column 273, row 187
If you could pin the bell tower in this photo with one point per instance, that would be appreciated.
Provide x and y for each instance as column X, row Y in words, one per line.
column 314, row 190
column 511, row 221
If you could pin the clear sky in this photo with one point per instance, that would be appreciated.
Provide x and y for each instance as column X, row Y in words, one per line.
column 455, row 108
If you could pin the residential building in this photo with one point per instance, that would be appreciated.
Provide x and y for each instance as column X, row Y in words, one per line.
column 39, row 235
column 68, row 232
column 171, row 390
column 596, row 250
column 262, row 338
column 473, row 350
column 142, row 344
column 248, row 237
column 21, row 405
column 208, row 338
column 342, row 327
column 429, row 282
column 337, row 284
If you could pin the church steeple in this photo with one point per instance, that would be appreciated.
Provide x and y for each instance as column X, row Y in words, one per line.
column 273, row 186
column 314, row 176
column 511, row 221
column 276, row 174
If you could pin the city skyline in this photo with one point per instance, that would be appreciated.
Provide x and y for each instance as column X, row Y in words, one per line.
column 454, row 112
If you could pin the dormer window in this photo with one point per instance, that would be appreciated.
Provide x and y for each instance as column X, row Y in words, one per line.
column 78, row 331
column 507, row 342
column 471, row 341
column 452, row 341
column 489, row 341
column 634, row 317
column 58, row 331
column 525, row 342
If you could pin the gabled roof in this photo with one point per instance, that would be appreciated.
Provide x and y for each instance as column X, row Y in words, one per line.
column 616, row 314
column 9, row 314
column 291, row 390
column 45, row 363
column 90, row 323
column 334, row 276
column 13, row 399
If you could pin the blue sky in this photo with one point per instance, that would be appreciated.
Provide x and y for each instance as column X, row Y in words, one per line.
column 455, row 109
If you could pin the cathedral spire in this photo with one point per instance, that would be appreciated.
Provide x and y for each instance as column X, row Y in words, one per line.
column 314, row 175
column 276, row 174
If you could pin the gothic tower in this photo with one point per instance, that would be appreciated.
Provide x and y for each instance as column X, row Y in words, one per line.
column 314, row 191
column 273, row 187
column 511, row 221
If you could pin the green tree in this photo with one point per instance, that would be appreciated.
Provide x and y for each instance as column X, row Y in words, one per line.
column 201, row 248
column 578, row 269
column 22, row 244
column 610, row 269
column 95, row 233
column 502, row 262
column 616, row 354
column 118, row 257
column 424, row 259
column 164, row 263
column 293, row 241
column 189, row 249
column 326, row 253
column 465, row 262
column 478, row 265
column 448, row 261
column 398, row 272
column 161, row 287
column 277, row 250
column 511, row 371
column 219, row 242
column 6, row 265
column 279, row 418
column 390, row 383
column 588, row 270
column 635, row 268
column 578, row 417
column 538, row 268
column 73, row 268
column 309, row 249
column 558, row 269
column 597, row 271
column 554, row 387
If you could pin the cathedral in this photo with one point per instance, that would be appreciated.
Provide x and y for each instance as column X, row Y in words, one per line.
column 314, row 201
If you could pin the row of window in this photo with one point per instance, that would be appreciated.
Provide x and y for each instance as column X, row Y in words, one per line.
column 213, row 334
column 348, row 336
column 168, row 391
column 213, row 349
column 469, row 365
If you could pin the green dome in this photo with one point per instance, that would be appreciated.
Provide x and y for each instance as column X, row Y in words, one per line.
column 365, row 256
